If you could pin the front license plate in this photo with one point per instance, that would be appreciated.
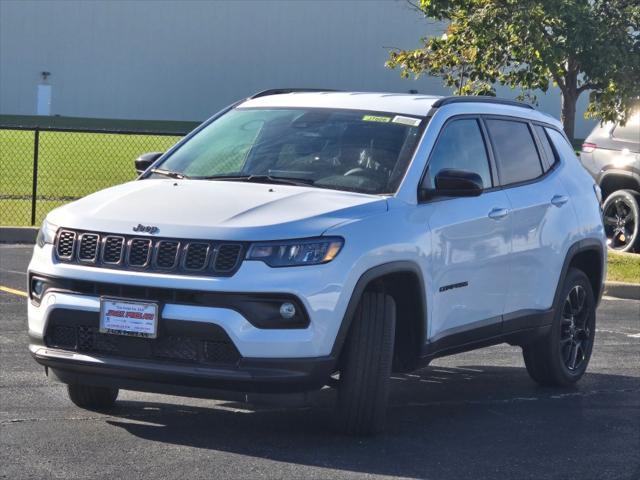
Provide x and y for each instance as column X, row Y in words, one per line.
column 125, row 317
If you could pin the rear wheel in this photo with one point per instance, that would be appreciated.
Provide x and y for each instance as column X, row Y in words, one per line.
column 363, row 388
column 92, row 398
column 621, row 218
column 561, row 357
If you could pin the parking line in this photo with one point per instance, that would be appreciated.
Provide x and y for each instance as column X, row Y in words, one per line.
column 13, row 291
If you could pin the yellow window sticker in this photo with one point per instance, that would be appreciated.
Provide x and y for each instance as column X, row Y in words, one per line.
column 375, row 118
column 412, row 122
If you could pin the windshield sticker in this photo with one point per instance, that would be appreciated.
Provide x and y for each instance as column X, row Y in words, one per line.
column 413, row 122
column 374, row 118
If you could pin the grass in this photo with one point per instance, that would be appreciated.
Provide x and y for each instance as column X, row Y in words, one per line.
column 623, row 267
column 70, row 165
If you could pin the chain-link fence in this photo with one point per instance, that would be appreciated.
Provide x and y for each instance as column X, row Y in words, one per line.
column 43, row 168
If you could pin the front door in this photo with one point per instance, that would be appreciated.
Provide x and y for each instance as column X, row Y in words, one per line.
column 468, row 266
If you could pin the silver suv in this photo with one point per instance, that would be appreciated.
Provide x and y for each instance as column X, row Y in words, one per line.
column 611, row 154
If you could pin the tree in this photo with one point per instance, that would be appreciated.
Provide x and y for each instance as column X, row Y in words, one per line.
column 577, row 45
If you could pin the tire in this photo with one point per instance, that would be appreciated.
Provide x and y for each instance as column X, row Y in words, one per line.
column 550, row 360
column 92, row 398
column 621, row 218
column 363, row 388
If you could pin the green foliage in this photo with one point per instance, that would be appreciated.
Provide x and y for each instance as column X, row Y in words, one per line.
column 578, row 45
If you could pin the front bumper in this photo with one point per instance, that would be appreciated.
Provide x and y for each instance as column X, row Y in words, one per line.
column 264, row 375
column 185, row 355
column 269, row 359
column 320, row 290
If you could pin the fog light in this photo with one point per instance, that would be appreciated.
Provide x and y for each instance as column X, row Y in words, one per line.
column 38, row 288
column 287, row 310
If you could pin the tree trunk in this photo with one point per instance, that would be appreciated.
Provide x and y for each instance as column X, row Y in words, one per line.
column 569, row 99
column 568, row 116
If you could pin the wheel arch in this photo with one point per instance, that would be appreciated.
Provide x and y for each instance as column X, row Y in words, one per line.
column 613, row 180
column 589, row 256
column 403, row 280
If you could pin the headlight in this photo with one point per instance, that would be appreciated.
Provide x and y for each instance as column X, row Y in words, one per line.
column 292, row 253
column 46, row 234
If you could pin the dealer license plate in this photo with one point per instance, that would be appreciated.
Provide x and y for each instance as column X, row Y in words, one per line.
column 125, row 317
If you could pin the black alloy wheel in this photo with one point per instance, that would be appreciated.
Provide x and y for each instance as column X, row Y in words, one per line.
column 575, row 334
column 621, row 221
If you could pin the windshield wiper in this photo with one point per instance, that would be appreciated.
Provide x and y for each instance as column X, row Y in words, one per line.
column 169, row 173
column 303, row 182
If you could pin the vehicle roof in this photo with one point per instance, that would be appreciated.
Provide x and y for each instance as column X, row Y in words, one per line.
column 400, row 103
column 403, row 103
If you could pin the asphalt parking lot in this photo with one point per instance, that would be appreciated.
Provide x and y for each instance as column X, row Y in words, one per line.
column 475, row 415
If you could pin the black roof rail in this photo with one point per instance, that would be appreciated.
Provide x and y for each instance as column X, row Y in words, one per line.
column 278, row 91
column 441, row 102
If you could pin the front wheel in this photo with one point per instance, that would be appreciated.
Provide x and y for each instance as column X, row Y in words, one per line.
column 560, row 358
column 363, row 388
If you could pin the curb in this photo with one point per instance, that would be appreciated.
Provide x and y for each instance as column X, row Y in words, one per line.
column 18, row 234
column 628, row 291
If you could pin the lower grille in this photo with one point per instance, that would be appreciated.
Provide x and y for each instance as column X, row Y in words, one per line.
column 212, row 347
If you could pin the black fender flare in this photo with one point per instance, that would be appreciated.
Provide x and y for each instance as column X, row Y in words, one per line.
column 584, row 245
column 369, row 276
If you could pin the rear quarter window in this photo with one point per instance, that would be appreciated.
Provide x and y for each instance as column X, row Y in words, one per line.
column 549, row 153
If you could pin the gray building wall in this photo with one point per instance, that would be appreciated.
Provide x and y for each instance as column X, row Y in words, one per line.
column 184, row 60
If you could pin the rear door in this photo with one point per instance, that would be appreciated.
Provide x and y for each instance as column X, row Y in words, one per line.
column 542, row 216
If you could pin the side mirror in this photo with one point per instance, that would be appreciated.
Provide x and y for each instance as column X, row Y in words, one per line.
column 450, row 182
column 145, row 160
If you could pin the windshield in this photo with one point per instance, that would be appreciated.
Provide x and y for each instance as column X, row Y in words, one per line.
column 339, row 149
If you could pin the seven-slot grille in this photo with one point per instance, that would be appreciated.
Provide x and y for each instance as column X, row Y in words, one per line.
column 144, row 253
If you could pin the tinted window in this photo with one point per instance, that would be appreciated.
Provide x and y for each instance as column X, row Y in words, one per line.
column 546, row 147
column 630, row 132
column 515, row 151
column 562, row 146
column 460, row 146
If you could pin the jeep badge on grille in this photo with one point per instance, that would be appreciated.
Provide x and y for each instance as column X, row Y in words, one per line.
column 146, row 228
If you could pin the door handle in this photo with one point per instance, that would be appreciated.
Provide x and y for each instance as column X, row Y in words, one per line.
column 559, row 200
column 498, row 213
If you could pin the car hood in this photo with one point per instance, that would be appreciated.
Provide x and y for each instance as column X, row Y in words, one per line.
column 216, row 209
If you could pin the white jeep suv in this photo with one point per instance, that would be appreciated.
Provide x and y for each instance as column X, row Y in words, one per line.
column 304, row 238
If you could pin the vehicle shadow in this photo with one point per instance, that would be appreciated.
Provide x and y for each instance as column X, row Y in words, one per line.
column 443, row 422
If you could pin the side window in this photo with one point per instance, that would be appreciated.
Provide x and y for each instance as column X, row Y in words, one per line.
column 515, row 151
column 561, row 145
column 546, row 147
column 630, row 132
column 462, row 147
